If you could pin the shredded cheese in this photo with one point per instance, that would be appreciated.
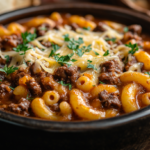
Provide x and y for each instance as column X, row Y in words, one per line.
column 96, row 39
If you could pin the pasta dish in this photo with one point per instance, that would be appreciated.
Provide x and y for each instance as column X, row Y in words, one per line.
column 67, row 67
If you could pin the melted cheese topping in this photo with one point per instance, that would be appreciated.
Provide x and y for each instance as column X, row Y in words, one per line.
column 96, row 39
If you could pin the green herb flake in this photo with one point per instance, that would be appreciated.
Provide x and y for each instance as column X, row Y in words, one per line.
column 83, row 49
column 43, row 28
column 29, row 98
column 27, row 37
column 125, row 29
column 8, row 70
column 79, row 52
column 24, row 62
column 134, row 48
column 87, row 28
column 75, row 44
column 101, row 82
column 96, row 53
column 80, row 40
column 66, row 37
column 55, row 47
column 147, row 73
column 43, row 49
column 93, row 85
column 69, row 85
column 106, row 53
column 111, row 39
column 89, row 61
column 12, row 88
column 73, row 60
column 7, row 58
column 88, row 48
column 64, row 59
column 89, row 65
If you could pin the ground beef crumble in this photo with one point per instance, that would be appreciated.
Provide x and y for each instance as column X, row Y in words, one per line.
column 137, row 29
column 109, row 71
column 42, row 29
column 67, row 74
column 34, row 87
column 5, row 91
column 130, row 63
column 21, row 72
column 9, row 42
column 109, row 100
column 21, row 108
column 46, row 44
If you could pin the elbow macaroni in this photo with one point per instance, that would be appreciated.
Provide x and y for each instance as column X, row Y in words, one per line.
column 51, row 97
column 137, row 77
column 41, row 110
column 101, row 87
column 84, row 84
column 128, row 97
column 81, row 108
column 146, row 99
column 143, row 57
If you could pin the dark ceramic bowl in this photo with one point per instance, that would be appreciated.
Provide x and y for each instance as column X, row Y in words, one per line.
column 126, row 132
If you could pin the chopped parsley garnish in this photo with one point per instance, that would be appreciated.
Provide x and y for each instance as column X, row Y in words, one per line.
column 64, row 59
column 12, row 88
column 89, row 65
column 96, row 53
column 87, row 28
column 89, row 61
column 101, row 82
column 8, row 70
column 0, row 80
column 24, row 62
column 23, row 47
column 111, row 39
column 69, row 85
column 83, row 49
column 7, row 58
column 29, row 98
column 126, row 29
column 66, row 37
column 27, row 37
column 43, row 28
column 73, row 60
column 93, row 85
column 106, row 53
column 43, row 49
column 55, row 47
column 147, row 73
column 74, row 45
column 134, row 48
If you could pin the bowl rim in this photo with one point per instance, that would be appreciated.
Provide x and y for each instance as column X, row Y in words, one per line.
column 75, row 125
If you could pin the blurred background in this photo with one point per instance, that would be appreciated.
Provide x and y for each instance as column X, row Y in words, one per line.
column 139, row 5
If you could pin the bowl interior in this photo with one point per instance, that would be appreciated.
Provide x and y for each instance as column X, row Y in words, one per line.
column 121, row 15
